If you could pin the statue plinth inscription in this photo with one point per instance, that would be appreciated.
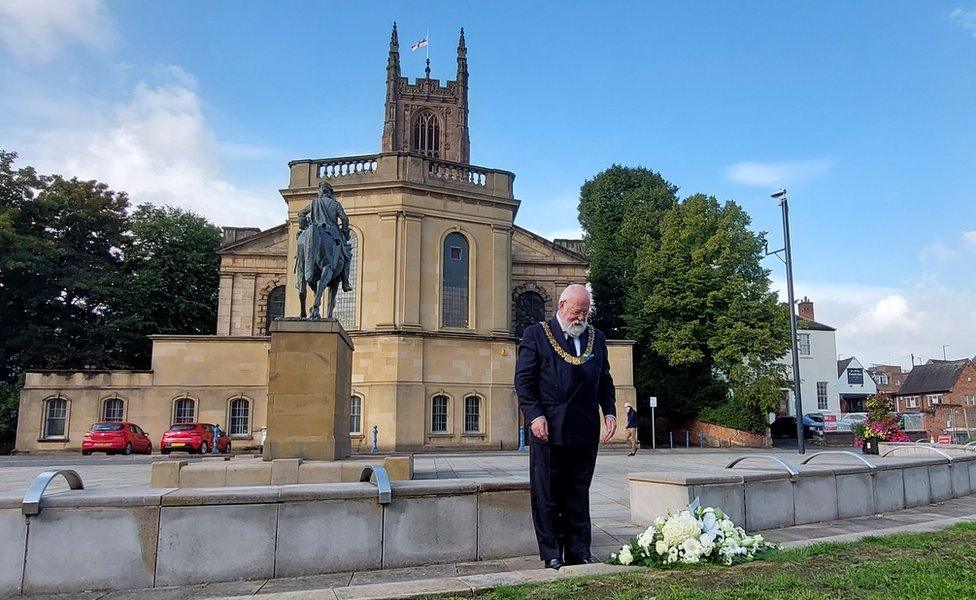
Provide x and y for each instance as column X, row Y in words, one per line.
column 309, row 386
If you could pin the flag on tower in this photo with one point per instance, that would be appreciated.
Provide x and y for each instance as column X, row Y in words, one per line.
column 421, row 44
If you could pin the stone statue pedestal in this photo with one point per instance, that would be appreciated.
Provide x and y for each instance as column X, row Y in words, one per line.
column 309, row 386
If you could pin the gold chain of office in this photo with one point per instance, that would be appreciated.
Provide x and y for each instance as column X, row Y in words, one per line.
column 573, row 360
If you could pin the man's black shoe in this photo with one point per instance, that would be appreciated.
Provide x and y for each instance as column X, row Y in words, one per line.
column 554, row 563
column 589, row 560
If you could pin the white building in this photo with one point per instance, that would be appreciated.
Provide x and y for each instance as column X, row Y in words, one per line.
column 854, row 385
column 817, row 349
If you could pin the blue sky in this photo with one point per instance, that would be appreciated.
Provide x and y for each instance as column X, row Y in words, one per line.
column 865, row 111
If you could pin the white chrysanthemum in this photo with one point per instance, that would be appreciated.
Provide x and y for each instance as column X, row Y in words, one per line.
column 661, row 547
column 672, row 556
column 726, row 525
column 680, row 528
column 645, row 539
column 625, row 557
column 691, row 547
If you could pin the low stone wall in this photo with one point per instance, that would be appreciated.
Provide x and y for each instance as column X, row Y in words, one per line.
column 717, row 436
column 769, row 499
column 222, row 471
column 141, row 538
column 926, row 449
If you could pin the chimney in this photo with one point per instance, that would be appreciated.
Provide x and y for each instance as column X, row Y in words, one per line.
column 805, row 309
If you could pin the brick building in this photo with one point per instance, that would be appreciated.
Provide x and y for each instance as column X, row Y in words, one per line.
column 888, row 377
column 944, row 393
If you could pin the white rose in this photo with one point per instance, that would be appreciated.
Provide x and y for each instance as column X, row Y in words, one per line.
column 625, row 556
column 661, row 547
column 680, row 528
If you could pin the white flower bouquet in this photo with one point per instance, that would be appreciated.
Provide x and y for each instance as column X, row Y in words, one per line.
column 693, row 535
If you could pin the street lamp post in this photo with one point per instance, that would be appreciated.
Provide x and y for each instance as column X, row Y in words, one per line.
column 787, row 250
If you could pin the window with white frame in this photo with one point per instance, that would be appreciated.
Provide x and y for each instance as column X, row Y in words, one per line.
column 934, row 399
column 970, row 400
column 803, row 344
column 472, row 414
column 113, row 409
column 240, row 417
column 821, row 395
column 184, row 410
column 55, row 418
column 880, row 377
column 355, row 414
column 438, row 413
column 911, row 401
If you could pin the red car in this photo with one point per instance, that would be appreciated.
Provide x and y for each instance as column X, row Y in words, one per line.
column 116, row 438
column 194, row 438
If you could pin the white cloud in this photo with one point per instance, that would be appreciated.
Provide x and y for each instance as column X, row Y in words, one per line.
column 969, row 238
column 881, row 324
column 936, row 250
column 573, row 233
column 773, row 174
column 964, row 19
column 158, row 147
column 39, row 30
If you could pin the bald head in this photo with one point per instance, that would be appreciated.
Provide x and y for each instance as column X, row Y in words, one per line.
column 574, row 307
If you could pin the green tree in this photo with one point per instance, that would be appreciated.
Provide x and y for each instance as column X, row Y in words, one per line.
column 701, row 301
column 61, row 247
column 619, row 210
column 175, row 275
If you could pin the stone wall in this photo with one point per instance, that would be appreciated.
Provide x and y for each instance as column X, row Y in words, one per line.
column 167, row 537
column 716, row 436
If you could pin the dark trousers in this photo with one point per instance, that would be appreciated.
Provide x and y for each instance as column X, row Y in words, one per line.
column 560, row 476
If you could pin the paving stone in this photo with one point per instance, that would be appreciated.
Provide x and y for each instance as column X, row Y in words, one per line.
column 311, row 582
column 404, row 589
column 481, row 567
column 404, row 574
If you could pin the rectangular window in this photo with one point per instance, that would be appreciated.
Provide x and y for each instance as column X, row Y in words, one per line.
column 54, row 420
column 803, row 344
column 821, row 395
column 355, row 415
column 184, row 411
column 438, row 414
column 240, row 417
column 911, row 401
column 113, row 409
column 472, row 414
column 970, row 400
column 855, row 376
column 934, row 399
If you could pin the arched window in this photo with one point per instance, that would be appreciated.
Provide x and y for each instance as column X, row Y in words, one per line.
column 454, row 288
column 355, row 414
column 240, row 417
column 472, row 414
column 438, row 413
column 345, row 310
column 55, row 418
column 427, row 135
column 184, row 410
column 113, row 409
column 276, row 306
column 530, row 307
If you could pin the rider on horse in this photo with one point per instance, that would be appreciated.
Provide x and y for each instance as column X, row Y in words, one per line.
column 324, row 251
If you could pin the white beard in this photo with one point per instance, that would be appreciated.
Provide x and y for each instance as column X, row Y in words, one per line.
column 576, row 328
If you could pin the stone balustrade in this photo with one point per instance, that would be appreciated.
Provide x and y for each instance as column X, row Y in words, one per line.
column 400, row 167
column 166, row 537
column 767, row 499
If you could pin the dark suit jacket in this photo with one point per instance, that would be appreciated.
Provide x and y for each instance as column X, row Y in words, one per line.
column 570, row 397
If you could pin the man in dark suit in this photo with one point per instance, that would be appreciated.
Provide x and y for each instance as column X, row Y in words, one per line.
column 562, row 379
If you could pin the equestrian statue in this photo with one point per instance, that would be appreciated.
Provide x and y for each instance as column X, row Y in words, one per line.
column 324, row 253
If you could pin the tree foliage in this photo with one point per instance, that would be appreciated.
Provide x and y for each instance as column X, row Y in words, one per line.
column 619, row 210
column 686, row 282
column 83, row 282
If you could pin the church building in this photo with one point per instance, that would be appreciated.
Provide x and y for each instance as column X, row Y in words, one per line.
column 443, row 281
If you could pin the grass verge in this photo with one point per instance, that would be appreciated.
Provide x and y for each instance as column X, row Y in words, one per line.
column 927, row 565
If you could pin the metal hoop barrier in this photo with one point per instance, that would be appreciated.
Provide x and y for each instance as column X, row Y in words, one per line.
column 382, row 482
column 936, row 450
column 789, row 468
column 971, row 446
column 32, row 499
column 848, row 453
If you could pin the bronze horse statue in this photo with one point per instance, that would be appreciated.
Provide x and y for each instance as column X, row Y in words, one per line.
column 324, row 253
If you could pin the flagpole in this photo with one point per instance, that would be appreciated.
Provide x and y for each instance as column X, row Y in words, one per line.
column 428, row 45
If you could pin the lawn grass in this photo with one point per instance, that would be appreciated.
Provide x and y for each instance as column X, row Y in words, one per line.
column 910, row 566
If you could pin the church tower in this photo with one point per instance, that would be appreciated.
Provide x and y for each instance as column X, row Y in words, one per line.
column 424, row 117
